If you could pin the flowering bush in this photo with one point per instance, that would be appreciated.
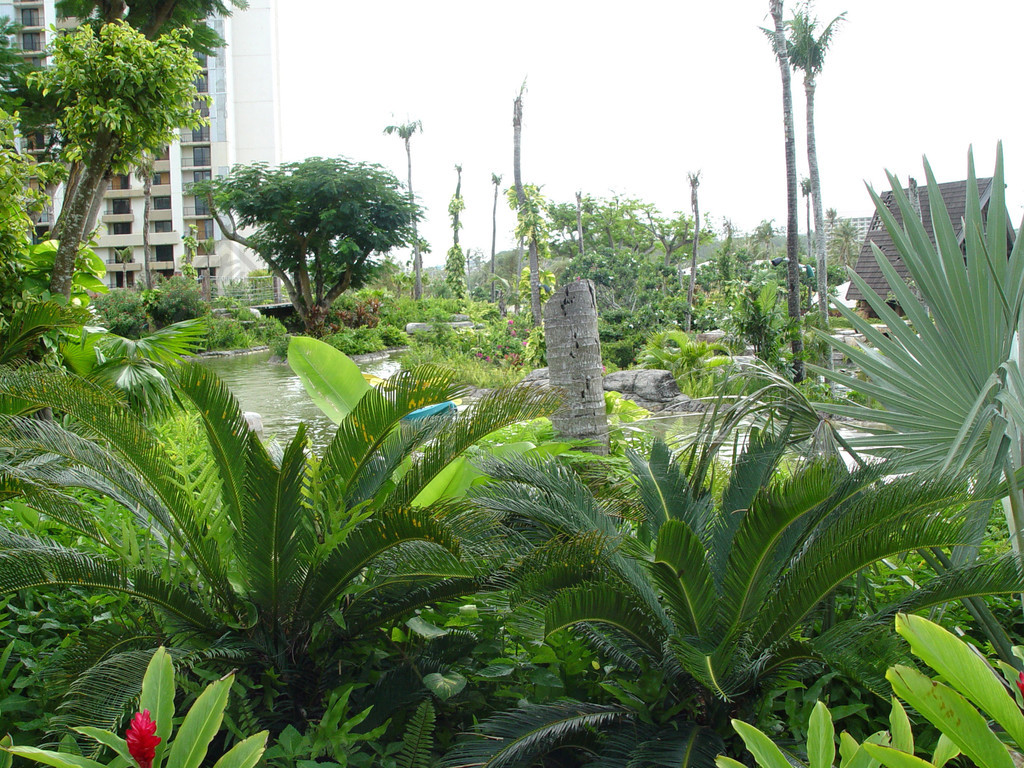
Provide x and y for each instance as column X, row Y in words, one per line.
column 503, row 342
column 147, row 742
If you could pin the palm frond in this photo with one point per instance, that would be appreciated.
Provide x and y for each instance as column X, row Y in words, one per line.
column 227, row 431
column 683, row 577
column 516, row 739
column 667, row 494
column 166, row 345
column 499, row 408
column 276, row 538
column 602, row 604
column 27, row 325
column 27, row 563
column 686, row 746
column 416, row 529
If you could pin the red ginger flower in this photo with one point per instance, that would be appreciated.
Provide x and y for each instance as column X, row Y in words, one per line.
column 1020, row 683
column 142, row 739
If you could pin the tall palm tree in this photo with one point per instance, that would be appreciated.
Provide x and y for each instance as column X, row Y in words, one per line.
column 805, row 190
column 694, row 179
column 275, row 559
column 844, row 244
column 405, row 132
column 709, row 600
column 517, row 137
column 777, row 35
column 496, row 181
column 144, row 172
column 807, row 53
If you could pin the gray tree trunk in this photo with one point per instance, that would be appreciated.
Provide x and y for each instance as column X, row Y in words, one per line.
column 147, row 204
column 574, row 363
column 74, row 216
column 517, row 136
column 821, row 259
column 694, row 183
column 792, row 223
column 417, row 257
column 494, row 237
column 579, row 223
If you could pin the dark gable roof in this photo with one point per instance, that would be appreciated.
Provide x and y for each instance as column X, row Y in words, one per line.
column 954, row 195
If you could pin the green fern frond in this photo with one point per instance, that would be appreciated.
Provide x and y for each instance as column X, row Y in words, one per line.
column 418, row 741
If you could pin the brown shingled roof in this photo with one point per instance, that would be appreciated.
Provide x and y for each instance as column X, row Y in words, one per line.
column 954, row 195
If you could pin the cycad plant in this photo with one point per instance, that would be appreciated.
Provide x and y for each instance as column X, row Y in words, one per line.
column 276, row 558
column 701, row 601
column 689, row 360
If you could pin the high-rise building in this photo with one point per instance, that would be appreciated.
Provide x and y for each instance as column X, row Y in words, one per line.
column 244, row 127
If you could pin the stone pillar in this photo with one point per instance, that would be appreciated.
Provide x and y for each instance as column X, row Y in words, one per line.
column 574, row 363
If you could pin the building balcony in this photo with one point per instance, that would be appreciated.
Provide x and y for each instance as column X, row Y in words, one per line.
column 198, row 136
column 189, row 163
column 164, row 238
column 131, row 266
column 159, row 166
column 109, row 217
column 191, row 212
column 162, row 214
column 120, row 241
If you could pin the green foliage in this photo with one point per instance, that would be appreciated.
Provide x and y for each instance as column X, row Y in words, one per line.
column 189, row 745
column 707, row 600
column 691, row 362
column 37, row 264
column 455, row 272
column 318, row 246
column 176, row 299
column 261, row 555
column 970, row 698
column 123, row 312
column 118, row 84
column 760, row 320
column 357, row 341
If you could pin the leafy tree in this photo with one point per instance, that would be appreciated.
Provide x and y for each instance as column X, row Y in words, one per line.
column 154, row 18
column 455, row 264
column 532, row 228
column 320, row 224
column 777, row 36
column 807, row 53
column 707, row 601
column 274, row 561
column 119, row 95
column 405, row 131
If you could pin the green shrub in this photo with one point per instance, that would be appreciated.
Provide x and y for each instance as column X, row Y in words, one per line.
column 227, row 333
column 267, row 330
column 175, row 300
column 279, row 346
column 356, row 341
column 391, row 336
column 123, row 312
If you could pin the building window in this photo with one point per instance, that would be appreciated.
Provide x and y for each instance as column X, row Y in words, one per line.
column 164, row 253
column 32, row 41
column 202, row 58
column 121, row 205
column 121, row 181
column 204, row 229
column 201, row 134
column 200, row 155
column 202, row 206
column 30, row 17
column 203, row 83
column 161, row 178
column 198, row 176
column 162, row 203
column 202, row 107
column 121, row 228
column 162, row 226
column 164, row 154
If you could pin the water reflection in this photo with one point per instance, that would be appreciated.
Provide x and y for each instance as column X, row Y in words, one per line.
column 272, row 390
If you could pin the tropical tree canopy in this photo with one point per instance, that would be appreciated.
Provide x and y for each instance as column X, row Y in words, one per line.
column 321, row 224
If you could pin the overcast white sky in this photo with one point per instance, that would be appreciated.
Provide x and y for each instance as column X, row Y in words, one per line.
column 628, row 98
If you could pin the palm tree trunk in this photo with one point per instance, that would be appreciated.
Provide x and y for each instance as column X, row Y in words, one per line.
column 694, row 182
column 147, row 204
column 494, row 238
column 574, row 364
column 517, row 135
column 74, row 216
column 821, row 263
column 417, row 257
column 792, row 223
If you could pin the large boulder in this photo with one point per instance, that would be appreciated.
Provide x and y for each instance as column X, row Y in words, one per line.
column 655, row 385
column 412, row 328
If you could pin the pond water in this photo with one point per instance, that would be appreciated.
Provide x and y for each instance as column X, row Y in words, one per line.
column 272, row 390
